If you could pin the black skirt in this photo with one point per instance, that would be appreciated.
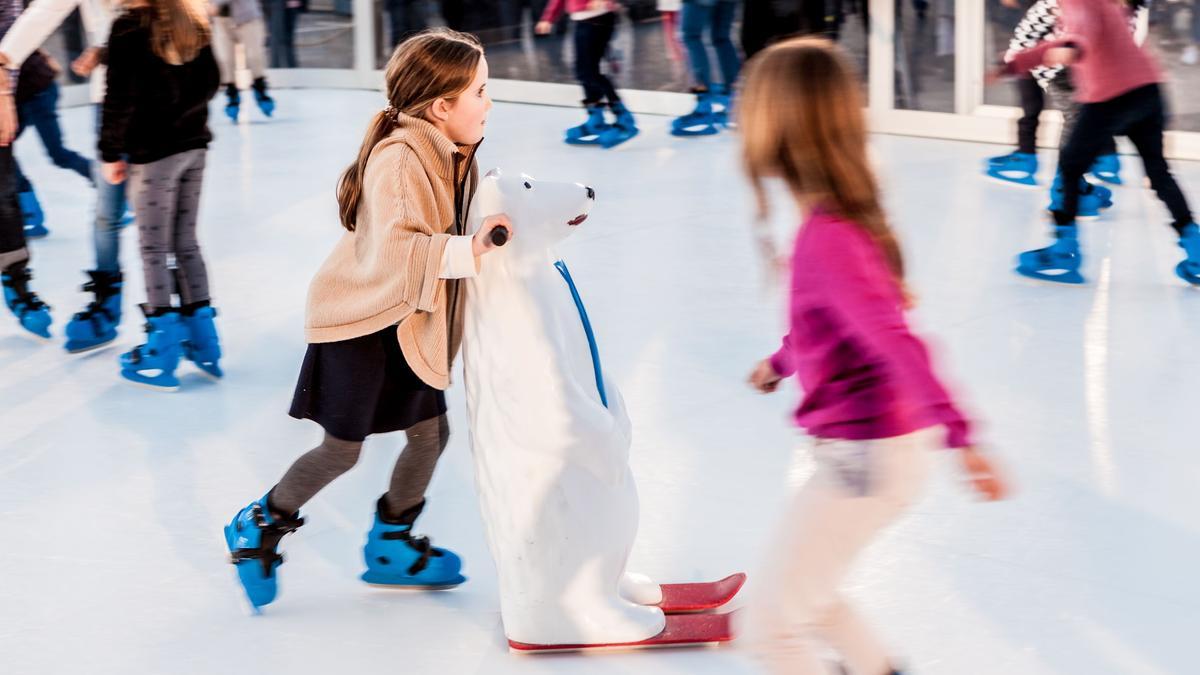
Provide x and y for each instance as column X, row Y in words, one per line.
column 363, row 386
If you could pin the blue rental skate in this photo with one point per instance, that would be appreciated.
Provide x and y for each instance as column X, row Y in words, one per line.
column 97, row 324
column 253, row 541
column 397, row 559
column 1058, row 262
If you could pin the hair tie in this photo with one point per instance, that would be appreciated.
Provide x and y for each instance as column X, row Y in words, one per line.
column 391, row 113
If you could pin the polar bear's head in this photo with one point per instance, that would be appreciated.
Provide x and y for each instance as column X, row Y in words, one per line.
column 543, row 213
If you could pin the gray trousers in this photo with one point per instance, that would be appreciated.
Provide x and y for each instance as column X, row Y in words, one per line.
column 166, row 198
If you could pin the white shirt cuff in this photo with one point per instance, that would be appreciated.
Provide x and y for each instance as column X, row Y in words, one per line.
column 458, row 260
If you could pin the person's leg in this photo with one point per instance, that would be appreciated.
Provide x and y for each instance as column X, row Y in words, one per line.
column 29, row 309
column 46, row 121
column 727, row 55
column 309, row 474
column 21, row 180
column 414, row 468
column 858, row 489
column 110, row 216
column 13, row 252
column 152, row 190
column 293, row 18
column 1093, row 125
column 1032, row 104
column 589, row 51
column 697, row 18
column 190, row 269
column 25, row 113
column 276, row 23
column 606, row 30
column 1146, row 134
column 224, row 43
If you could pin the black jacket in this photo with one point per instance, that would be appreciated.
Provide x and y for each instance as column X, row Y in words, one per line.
column 153, row 109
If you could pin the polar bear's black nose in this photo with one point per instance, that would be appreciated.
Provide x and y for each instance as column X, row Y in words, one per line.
column 590, row 193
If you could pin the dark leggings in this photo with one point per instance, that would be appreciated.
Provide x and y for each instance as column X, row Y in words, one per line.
column 333, row 457
column 591, row 43
column 1033, row 102
column 1141, row 116
column 13, row 253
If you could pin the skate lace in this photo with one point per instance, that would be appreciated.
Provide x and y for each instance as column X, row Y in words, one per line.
column 272, row 533
column 96, row 306
column 421, row 545
column 25, row 299
column 30, row 301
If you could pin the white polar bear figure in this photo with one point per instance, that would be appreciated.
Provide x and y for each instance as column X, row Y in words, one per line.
column 549, row 433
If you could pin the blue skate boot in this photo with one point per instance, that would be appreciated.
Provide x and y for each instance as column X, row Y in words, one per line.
column 1189, row 241
column 1015, row 168
column 153, row 364
column 201, row 345
column 722, row 106
column 233, row 102
column 397, row 559
column 35, row 218
column 1092, row 198
column 31, row 312
column 97, row 324
column 1107, row 168
column 589, row 132
column 265, row 103
column 253, row 540
column 1058, row 262
column 621, row 130
column 702, row 121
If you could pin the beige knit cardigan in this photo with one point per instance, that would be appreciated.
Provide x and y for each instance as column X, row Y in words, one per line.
column 385, row 273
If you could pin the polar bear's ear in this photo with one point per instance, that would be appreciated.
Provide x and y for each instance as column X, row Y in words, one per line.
column 494, row 173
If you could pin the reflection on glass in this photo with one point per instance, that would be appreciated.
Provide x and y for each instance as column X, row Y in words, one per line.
column 925, row 55
column 646, row 53
column 1174, row 38
column 1001, row 22
column 310, row 33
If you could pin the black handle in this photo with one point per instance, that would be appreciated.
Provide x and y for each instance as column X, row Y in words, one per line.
column 500, row 236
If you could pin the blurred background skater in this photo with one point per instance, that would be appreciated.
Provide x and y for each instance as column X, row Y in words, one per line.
column 240, row 22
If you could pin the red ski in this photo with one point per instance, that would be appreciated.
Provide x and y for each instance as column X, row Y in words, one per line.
column 683, row 630
column 691, row 598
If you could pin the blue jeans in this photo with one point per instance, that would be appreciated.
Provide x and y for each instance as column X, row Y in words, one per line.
column 41, row 113
column 717, row 17
column 110, row 209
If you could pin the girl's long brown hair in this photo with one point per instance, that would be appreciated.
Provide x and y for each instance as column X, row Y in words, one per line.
column 801, row 120
column 179, row 29
column 437, row 63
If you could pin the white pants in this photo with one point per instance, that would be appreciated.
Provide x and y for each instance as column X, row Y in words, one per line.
column 226, row 36
column 859, row 488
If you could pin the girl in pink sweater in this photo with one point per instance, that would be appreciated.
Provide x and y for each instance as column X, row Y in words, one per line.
column 872, row 401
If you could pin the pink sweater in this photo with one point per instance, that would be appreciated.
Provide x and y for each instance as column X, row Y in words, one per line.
column 554, row 8
column 864, row 375
column 1108, row 61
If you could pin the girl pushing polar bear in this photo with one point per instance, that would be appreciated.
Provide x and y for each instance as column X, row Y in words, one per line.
column 380, row 349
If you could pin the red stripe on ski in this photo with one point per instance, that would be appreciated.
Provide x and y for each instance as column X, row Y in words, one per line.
column 683, row 630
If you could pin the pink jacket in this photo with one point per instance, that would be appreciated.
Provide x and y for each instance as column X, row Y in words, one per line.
column 554, row 8
column 1110, row 62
